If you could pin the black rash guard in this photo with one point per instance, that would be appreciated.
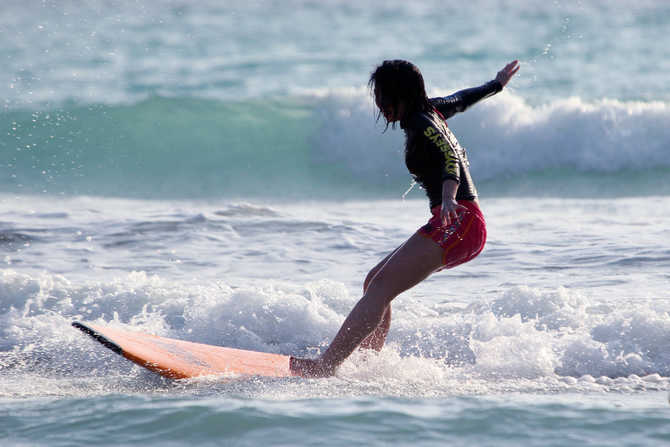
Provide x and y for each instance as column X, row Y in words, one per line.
column 432, row 152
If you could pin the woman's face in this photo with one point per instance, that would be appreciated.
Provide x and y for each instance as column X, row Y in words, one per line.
column 391, row 113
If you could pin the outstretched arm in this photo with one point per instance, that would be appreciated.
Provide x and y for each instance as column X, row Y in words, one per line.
column 461, row 100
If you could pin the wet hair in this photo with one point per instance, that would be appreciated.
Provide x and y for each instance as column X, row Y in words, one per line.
column 400, row 81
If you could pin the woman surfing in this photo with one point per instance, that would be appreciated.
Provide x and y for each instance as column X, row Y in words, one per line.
column 456, row 232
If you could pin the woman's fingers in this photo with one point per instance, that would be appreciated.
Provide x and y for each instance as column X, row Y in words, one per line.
column 445, row 218
column 512, row 67
column 450, row 215
column 458, row 212
column 506, row 73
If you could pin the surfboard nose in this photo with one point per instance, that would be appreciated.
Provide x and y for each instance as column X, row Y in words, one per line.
column 98, row 336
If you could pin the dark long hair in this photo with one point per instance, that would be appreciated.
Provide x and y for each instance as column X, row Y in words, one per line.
column 400, row 81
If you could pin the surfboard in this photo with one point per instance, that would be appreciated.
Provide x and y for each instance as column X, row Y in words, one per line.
column 178, row 359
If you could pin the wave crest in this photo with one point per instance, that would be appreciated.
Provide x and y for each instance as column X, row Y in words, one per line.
column 315, row 144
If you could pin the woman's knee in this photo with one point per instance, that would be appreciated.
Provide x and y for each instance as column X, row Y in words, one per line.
column 382, row 286
column 369, row 278
column 372, row 273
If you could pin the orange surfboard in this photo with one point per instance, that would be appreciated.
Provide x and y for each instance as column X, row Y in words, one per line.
column 178, row 359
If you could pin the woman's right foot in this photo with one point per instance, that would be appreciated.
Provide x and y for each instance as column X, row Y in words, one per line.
column 310, row 368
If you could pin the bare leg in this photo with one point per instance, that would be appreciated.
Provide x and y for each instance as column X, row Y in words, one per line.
column 408, row 266
column 377, row 338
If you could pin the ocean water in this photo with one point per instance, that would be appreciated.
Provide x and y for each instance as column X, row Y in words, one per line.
column 213, row 171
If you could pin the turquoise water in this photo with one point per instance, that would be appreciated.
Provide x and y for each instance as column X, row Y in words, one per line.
column 213, row 171
column 330, row 146
column 170, row 99
column 505, row 421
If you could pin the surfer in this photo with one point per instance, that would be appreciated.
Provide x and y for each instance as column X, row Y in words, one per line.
column 455, row 233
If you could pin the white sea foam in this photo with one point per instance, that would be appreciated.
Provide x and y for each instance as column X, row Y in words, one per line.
column 569, row 295
column 511, row 343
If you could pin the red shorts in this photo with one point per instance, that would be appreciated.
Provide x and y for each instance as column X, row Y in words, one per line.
column 462, row 241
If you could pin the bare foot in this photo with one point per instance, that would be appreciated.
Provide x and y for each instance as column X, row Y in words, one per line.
column 311, row 368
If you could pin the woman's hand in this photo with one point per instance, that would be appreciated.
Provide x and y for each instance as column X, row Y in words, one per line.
column 449, row 212
column 506, row 73
column 450, row 207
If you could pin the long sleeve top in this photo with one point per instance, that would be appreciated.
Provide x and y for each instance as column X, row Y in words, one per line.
column 432, row 152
